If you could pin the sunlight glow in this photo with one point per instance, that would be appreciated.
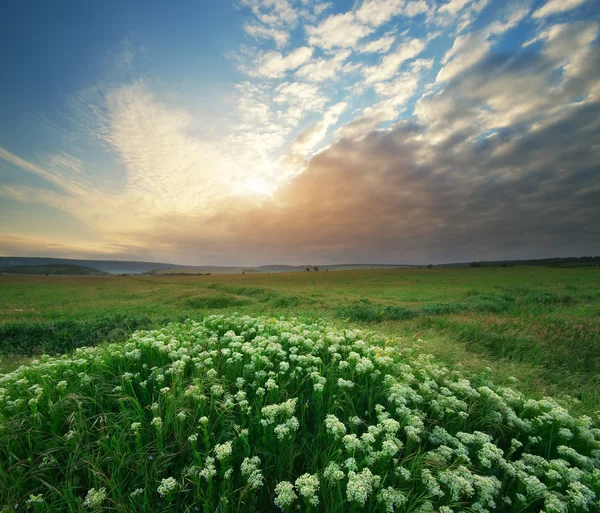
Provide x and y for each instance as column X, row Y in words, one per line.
column 258, row 186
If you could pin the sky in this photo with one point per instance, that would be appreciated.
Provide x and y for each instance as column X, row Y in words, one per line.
column 253, row 132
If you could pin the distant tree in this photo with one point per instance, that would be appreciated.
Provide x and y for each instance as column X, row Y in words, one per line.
column 243, row 272
column 430, row 266
column 307, row 269
column 504, row 264
column 475, row 264
column 315, row 268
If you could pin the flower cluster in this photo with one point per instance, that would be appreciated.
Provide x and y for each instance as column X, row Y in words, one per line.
column 94, row 498
column 242, row 410
column 167, row 486
column 251, row 471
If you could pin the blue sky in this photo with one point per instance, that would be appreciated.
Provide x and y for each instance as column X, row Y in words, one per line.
column 300, row 131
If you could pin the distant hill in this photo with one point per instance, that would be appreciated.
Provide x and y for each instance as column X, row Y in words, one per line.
column 276, row 268
column 109, row 266
column 54, row 269
column 585, row 261
column 17, row 265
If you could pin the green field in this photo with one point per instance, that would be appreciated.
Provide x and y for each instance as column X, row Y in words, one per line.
column 302, row 392
column 541, row 325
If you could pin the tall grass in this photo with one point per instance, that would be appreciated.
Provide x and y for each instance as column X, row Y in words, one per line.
column 64, row 335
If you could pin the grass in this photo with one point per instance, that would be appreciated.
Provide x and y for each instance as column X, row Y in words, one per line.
column 540, row 324
column 248, row 414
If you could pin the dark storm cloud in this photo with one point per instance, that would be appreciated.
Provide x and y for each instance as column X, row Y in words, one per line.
column 394, row 197
column 502, row 162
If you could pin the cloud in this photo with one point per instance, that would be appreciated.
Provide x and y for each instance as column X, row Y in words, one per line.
column 314, row 134
column 458, row 15
column 27, row 194
column 275, row 65
column 258, row 31
column 380, row 45
column 370, row 118
column 320, row 8
column 515, row 14
column 165, row 163
column 319, row 70
column 400, row 89
column 416, row 7
column 557, row 6
column 64, row 161
column 273, row 12
column 469, row 49
column 272, row 20
column 510, row 90
column 470, row 14
column 500, row 163
column 64, row 184
column 25, row 245
column 420, row 64
column 394, row 196
column 168, row 167
column 378, row 12
column 453, row 7
column 302, row 95
column 389, row 65
column 466, row 51
column 345, row 30
column 338, row 31
column 498, row 158
column 561, row 40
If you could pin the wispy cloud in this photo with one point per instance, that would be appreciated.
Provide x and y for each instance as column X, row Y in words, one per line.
column 275, row 65
column 557, row 6
column 390, row 64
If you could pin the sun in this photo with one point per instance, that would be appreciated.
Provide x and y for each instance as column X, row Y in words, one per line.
column 258, row 186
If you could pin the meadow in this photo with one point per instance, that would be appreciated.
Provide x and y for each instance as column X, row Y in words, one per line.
column 412, row 390
column 539, row 324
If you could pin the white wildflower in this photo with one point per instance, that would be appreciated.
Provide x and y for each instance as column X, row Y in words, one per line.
column 209, row 471
column 333, row 473
column 251, row 471
column 35, row 499
column 308, row 487
column 391, row 499
column 284, row 495
column 94, row 498
column 334, row 426
column 361, row 485
column 223, row 451
column 167, row 486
